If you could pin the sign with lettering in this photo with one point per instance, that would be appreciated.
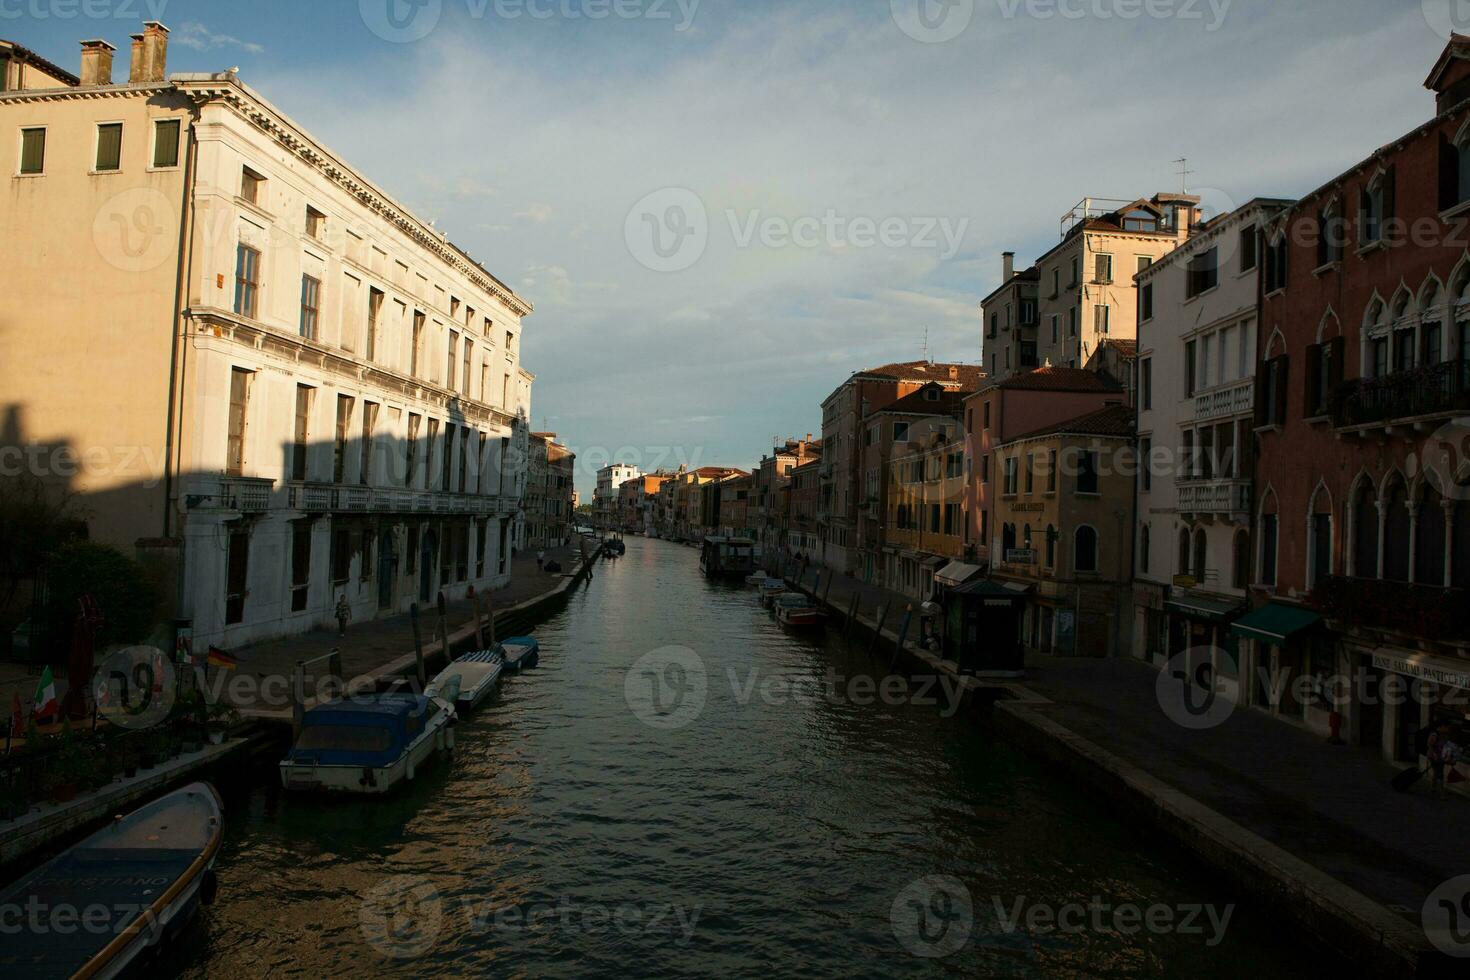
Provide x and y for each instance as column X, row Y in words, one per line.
column 1028, row 508
column 1433, row 669
column 1021, row 556
column 1185, row 581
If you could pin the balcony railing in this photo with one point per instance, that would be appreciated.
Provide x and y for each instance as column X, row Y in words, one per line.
column 1215, row 497
column 1428, row 611
column 323, row 498
column 1431, row 390
column 245, row 494
column 1237, row 399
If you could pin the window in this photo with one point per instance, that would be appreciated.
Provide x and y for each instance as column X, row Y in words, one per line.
column 469, row 351
column 300, row 564
column 1324, row 374
column 1145, row 472
column 375, row 309
column 1028, row 312
column 239, row 411
column 247, row 280
column 1055, row 320
column 1322, row 548
column 369, row 420
column 453, row 360
column 237, row 573
column 1375, row 205
column 1183, row 564
column 1087, row 472
column 464, row 455
column 1085, row 555
column 1140, row 220
column 1203, row 273
column 1072, row 322
column 1432, row 343
column 341, row 555
column 250, row 186
column 339, row 448
column 316, row 222
column 411, row 453
column 1276, row 264
column 1146, row 303
column 1076, row 271
column 301, row 432
column 985, row 415
column 1145, row 262
column 1011, row 465
column 1454, row 173
column 1051, row 471
column 1241, row 572
column 1247, row 249
column 109, row 147
column 416, row 352
column 1101, row 315
column 447, row 464
column 1329, row 236
column 1201, row 552
column 311, row 304
column 1146, row 383
column 901, row 431
column 1268, row 549
column 430, row 443
column 1104, row 267
column 33, row 151
column 1056, row 282
column 994, row 325
column 934, row 519
column 1030, row 472
column 1144, row 549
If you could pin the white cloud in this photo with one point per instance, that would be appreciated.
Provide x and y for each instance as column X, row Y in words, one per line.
column 535, row 213
column 193, row 34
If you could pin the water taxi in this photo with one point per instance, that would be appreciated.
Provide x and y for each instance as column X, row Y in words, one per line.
column 367, row 744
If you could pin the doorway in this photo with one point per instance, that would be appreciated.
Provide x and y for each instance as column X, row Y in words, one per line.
column 387, row 566
column 427, row 564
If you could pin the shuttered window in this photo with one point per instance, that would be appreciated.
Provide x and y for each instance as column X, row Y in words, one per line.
column 166, row 143
column 32, row 151
column 239, row 405
column 311, row 305
column 247, row 280
column 109, row 146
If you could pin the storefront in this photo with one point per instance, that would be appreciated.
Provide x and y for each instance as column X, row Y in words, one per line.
column 1200, row 626
column 986, row 618
column 1289, row 661
column 951, row 615
column 1410, row 692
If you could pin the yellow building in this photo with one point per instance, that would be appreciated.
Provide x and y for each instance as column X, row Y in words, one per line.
column 1065, row 521
column 924, row 529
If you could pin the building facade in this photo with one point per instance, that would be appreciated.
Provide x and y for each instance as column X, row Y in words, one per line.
column 925, row 524
column 302, row 391
column 605, row 499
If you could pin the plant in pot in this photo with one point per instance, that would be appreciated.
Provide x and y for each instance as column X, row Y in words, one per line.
column 187, row 720
column 70, row 769
column 222, row 717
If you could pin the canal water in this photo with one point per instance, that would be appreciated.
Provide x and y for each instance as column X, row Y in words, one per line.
column 589, row 825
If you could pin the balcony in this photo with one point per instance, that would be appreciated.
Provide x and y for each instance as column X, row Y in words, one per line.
column 245, row 494
column 1238, row 398
column 1438, row 389
column 1229, row 499
column 1428, row 611
column 326, row 498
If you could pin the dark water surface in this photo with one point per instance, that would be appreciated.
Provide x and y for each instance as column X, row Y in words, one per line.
column 772, row 835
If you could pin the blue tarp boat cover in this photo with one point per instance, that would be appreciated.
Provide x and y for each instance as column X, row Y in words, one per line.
column 370, row 731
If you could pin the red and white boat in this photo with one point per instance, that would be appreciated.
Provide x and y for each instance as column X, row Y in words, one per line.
column 796, row 611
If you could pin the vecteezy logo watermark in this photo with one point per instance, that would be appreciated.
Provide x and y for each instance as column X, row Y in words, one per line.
column 668, row 230
column 1125, row 918
column 1447, row 17
column 133, row 230
column 134, row 10
column 401, row 917
column 933, row 21
column 667, row 688
column 1211, row 12
column 134, row 688
column 933, row 916
column 39, row 918
column 1445, row 459
column 401, row 21
column 1446, row 917
column 565, row 915
column 1188, row 689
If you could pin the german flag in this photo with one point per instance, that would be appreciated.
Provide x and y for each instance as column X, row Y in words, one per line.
column 218, row 658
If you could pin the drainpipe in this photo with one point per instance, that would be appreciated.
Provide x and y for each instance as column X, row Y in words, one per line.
column 172, row 437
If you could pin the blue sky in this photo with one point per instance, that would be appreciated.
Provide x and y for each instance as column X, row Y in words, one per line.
column 546, row 145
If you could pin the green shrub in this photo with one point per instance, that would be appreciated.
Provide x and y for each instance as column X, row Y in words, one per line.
column 121, row 586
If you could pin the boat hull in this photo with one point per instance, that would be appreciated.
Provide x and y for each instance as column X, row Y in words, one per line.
column 304, row 777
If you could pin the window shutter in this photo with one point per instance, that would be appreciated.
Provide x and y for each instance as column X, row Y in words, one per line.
column 1313, row 378
column 1337, row 349
column 1449, row 174
column 1281, row 389
column 1365, row 204
column 1263, row 378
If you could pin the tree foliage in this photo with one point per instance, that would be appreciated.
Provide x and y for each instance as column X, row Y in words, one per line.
column 121, row 586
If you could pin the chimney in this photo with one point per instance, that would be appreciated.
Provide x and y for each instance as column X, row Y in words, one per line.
column 150, row 53
column 97, row 62
column 1008, row 265
column 954, row 372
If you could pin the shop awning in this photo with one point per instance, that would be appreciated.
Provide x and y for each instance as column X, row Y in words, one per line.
column 989, row 588
column 1275, row 623
column 1210, row 610
column 956, row 573
column 933, row 561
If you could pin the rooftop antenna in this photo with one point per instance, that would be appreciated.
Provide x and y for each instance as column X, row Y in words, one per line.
column 1184, row 174
column 926, row 346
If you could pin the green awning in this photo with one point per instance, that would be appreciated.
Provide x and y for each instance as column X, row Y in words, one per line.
column 1275, row 623
column 1209, row 610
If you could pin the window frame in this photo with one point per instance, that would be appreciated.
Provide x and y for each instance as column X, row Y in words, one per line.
column 20, row 160
column 109, row 124
column 178, row 126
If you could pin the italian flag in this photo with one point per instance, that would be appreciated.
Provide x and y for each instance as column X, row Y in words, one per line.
column 46, row 703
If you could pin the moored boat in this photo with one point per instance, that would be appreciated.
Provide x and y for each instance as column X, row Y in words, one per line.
column 722, row 557
column 796, row 611
column 770, row 589
column 367, row 744
column 521, row 653
column 469, row 680
column 135, row 884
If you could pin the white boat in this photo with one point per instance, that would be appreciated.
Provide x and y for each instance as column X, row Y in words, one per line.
column 145, row 873
column 520, row 652
column 469, row 680
column 367, row 744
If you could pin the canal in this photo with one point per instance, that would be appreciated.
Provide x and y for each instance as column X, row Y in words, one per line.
column 593, row 825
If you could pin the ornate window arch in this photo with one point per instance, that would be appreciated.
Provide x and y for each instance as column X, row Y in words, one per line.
column 1363, row 518
column 1430, row 560
column 1320, row 534
column 1397, row 527
column 1268, row 537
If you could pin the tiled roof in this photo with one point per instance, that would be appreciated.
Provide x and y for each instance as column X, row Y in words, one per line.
column 1128, row 348
column 1059, row 379
column 965, row 375
column 950, row 402
column 1115, row 420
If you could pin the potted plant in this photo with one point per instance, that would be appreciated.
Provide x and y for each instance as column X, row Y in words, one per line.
column 222, row 717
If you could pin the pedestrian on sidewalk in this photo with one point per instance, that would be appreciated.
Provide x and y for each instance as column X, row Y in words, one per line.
column 1441, row 753
column 344, row 613
column 540, row 561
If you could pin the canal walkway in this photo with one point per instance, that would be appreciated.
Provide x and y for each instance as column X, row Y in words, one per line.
column 1253, row 791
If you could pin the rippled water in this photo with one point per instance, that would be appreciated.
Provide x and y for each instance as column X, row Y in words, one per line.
column 775, row 836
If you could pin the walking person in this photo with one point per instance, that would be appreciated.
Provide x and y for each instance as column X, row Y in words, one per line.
column 344, row 613
column 540, row 561
column 1441, row 753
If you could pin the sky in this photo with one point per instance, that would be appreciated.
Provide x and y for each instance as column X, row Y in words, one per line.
column 722, row 208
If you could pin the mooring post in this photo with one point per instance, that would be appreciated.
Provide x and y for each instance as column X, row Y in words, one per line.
column 479, row 629
column 832, row 577
column 443, row 629
column 418, row 644
column 878, row 633
column 903, row 631
column 851, row 615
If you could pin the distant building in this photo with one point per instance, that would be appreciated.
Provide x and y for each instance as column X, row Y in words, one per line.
column 605, row 497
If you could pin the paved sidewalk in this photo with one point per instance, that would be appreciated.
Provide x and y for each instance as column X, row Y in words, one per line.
column 1331, row 806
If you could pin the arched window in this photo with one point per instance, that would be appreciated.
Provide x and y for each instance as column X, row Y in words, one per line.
column 1051, row 546
column 1200, row 553
column 1365, row 531
column 1144, row 547
column 1429, row 564
column 1270, row 528
column 1085, row 554
column 1431, row 318
column 1183, row 551
column 1319, row 560
column 1396, row 533
column 1241, row 559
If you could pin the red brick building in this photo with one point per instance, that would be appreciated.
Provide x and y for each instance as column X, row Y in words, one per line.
column 1362, row 530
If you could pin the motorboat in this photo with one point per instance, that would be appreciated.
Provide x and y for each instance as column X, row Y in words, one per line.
column 723, row 557
column 770, row 589
column 469, row 680
column 520, row 653
column 796, row 611
column 367, row 744
column 139, row 881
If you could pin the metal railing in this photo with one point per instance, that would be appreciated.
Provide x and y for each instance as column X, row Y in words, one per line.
column 1430, row 390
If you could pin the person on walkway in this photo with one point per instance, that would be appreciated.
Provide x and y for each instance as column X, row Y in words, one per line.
column 1441, row 753
column 540, row 561
column 344, row 613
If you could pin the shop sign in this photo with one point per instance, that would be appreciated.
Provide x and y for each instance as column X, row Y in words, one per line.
column 1433, row 669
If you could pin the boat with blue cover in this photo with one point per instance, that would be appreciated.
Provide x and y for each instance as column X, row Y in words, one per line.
column 469, row 680
column 367, row 744
column 126, row 891
column 521, row 653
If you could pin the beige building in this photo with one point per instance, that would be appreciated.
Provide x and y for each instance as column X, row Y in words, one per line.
column 252, row 364
column 1084, row 286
